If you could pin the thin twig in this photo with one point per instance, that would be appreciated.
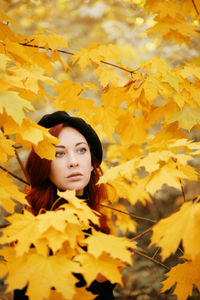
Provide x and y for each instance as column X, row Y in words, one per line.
column 49, row 49
column 72, row 53
column 129, row 214
column 116, row 66
column 142, row 233
column 15, row 176
column 19, row 161
column 182, row 190
column 181, row 184
column 195, row 7
column 151, row 259
column 156, row 252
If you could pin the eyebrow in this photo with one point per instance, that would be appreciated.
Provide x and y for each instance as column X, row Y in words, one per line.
column 77, row 144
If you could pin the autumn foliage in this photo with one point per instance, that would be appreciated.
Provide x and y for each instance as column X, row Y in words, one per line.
column 144, row 114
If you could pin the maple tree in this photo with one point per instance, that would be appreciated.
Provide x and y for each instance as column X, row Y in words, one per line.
column 144, row 114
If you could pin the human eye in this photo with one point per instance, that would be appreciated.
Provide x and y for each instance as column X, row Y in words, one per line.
column 82, row 150
column 59, row 154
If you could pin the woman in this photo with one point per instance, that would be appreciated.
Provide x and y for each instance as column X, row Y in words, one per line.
column 76, row 167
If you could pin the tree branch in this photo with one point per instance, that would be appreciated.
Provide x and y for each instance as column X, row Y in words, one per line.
column 13, row 175
column 129, row 214
column 72, row 53
column 151, row 259
column 142, row 233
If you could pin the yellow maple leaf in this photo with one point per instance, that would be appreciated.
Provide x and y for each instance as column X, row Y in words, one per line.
column 78, row 208
column 125, row 169
column 171, row 174
column 104, row 265
column 11, row 190
column 179, row 99
column 190, row 70
column 163, row 138
column 91, row 86
column 6, row 148
column 107, row 76
column 100, row 242
column 23, row 230
column 14, row 105
column 124, row 221
column 151, row 161
column 96, row 53
column 187, row 118
column 155, row 64
column 81, row 293
column 55, row 219
column 182, row 225
column 114, row 96
column 17, row 51
column 137, row 191
column 4, row 17
column 107, row 118
column 4, row 60
column 30, row 133
column 54, row 239
column 120, row 187
column 69, row 97
column 132, row 135
column 51, row 229
column 150, row 89
column 70, row 196
column 45, row 148
column 185, row 275
column 3, row 269
column 31, row 269
column 173, row 79
column 121, row 153
column 47, row 40
column 171, row 23
column 28, row 77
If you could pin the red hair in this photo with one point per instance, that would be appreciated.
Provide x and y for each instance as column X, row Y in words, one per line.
column 43, row 193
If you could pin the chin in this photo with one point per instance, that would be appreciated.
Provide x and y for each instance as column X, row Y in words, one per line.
column 79, row 189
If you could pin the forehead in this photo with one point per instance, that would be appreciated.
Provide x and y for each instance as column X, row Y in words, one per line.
column 70, row 135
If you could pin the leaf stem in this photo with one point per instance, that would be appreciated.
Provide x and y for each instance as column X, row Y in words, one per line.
column 195, row 7
column 53, row 205
column 129, row 214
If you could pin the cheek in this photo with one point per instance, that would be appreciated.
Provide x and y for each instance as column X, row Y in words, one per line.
column 88, row 170
column 55, row 171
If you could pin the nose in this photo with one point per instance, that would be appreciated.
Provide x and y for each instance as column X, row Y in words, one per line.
column 72, row 160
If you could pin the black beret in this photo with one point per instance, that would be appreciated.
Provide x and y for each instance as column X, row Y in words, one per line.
column 50, row 120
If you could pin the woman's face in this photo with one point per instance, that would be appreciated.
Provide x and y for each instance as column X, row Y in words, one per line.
column 71, row 170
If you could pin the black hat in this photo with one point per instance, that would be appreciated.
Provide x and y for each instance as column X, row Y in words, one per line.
column 85, row 129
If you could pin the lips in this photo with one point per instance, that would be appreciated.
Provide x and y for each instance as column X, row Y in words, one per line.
column 75, row 176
